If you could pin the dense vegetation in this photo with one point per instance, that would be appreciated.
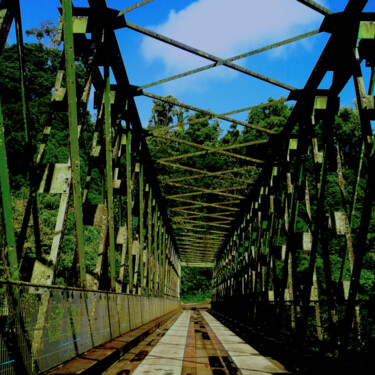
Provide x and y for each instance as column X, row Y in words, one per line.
column 196, row 285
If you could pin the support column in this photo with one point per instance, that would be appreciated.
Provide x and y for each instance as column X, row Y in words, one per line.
column 129, row 209
column 109, row 178
column 73, row 131
column 10, row 244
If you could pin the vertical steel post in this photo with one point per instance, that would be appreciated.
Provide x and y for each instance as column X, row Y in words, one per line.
column 73, row 131
column 129, row 208
column 160, row 244
column 108, row 171
column 163, row 254
column 27, row 125
column 7, row 206
column 155, row 246
column 141, row 227
column 149, row 241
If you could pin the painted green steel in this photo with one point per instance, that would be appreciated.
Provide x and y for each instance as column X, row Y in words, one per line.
column 7, row 206
column 159, row 255
column 317, row 7
column 73, row 131
column 129, row 202
column 21, row 61
column 135, row 6
column 155, row 253
column 27, row 126
column 234, row 58
column 149, row 241
column 164, row 258
column 109, row 176
column 358, row 177
column 211, row 117
column 141, row 225
column 204, row 111
column 208, row 56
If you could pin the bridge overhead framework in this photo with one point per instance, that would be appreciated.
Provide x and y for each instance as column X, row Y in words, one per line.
column 264, row 226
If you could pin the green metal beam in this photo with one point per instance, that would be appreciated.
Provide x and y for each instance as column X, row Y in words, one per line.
column 27, row 127
column 164, row 128
column 141, row 225
column 129, row 202
column 73, row 131
column 109, row 176
column 135, row 6
column 206, row 112
column 208, row 56
column 317, row 7
column 218, row 149
column 237, row 57
column 7, row 206
column 149, row 241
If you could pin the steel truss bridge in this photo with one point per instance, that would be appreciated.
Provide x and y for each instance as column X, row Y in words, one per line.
column 249, row 231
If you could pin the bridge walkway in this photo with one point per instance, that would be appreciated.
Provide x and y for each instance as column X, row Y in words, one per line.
column 190, row 342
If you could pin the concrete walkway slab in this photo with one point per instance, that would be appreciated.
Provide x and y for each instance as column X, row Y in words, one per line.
column 246, row 358
column 167, row 356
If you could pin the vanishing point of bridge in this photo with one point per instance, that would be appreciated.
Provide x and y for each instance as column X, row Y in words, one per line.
column 264, row 226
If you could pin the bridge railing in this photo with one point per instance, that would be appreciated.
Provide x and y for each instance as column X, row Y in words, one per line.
column 74, row 322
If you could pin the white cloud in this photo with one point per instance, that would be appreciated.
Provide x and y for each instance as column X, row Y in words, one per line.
column 226, row 28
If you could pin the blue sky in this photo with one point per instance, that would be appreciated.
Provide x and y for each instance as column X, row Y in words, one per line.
column 223, row 28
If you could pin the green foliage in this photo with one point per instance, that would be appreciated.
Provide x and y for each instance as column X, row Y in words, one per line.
column 91, row 239
column 195, row 284
column 197, row 297
column 41, row 68
column 46, row 33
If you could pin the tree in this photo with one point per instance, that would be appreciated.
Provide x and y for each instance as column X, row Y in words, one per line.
column 41, row 69
column 272, row 117
column 196, row 284
column 47, row 30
